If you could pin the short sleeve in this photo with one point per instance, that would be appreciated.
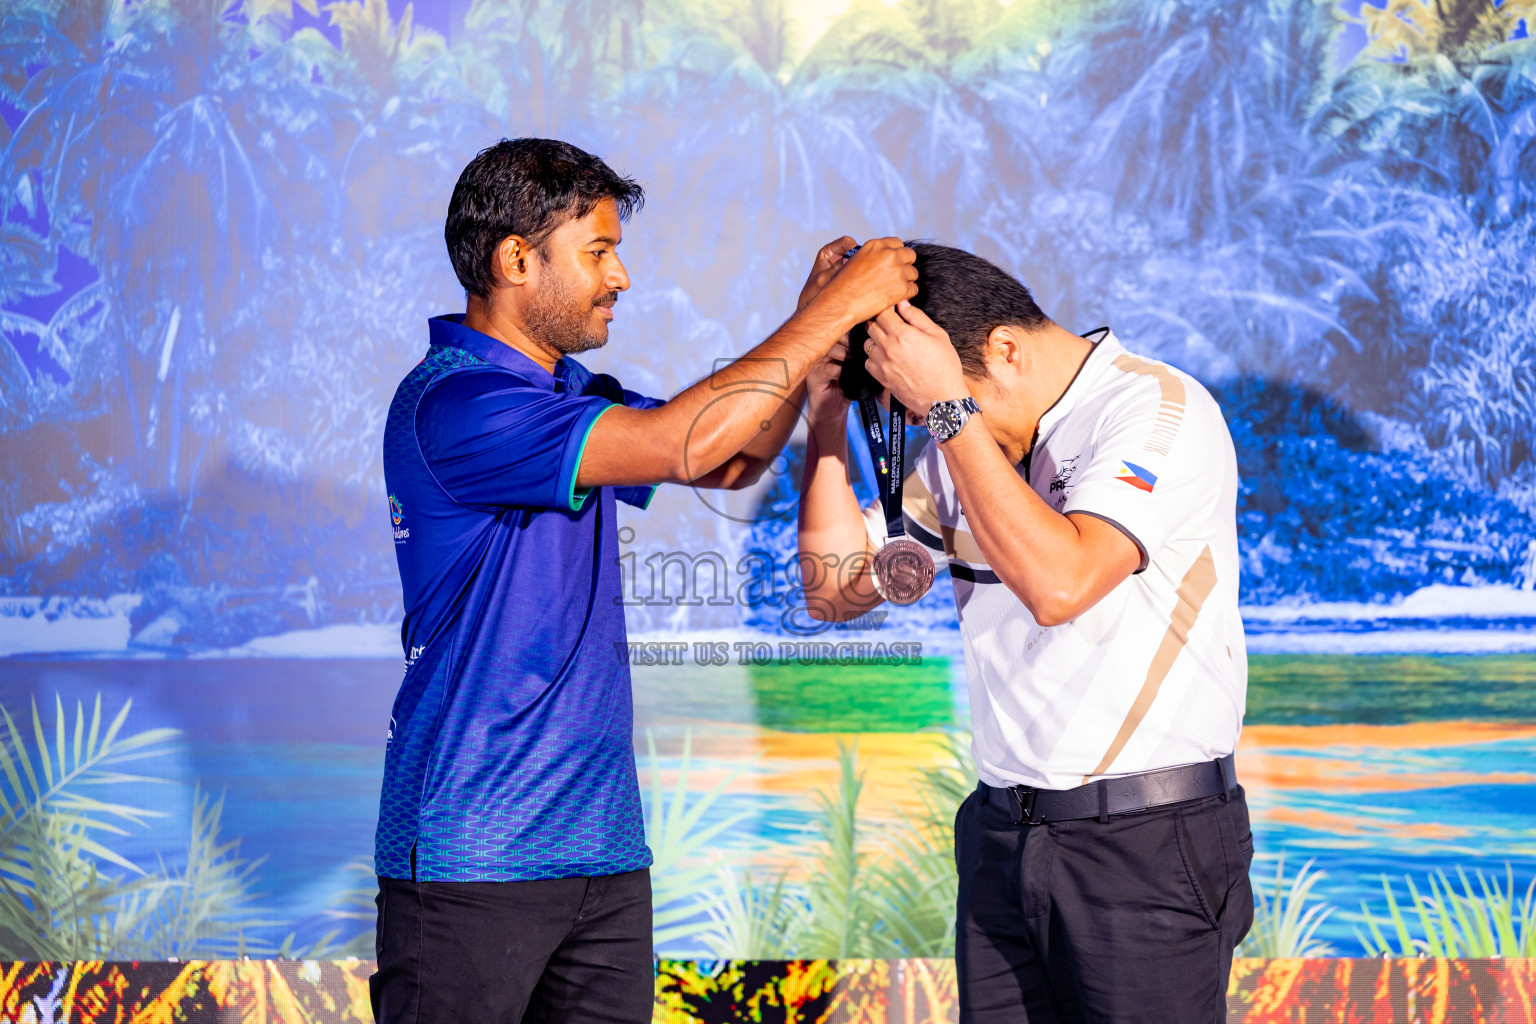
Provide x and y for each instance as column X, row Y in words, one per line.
column 636, row 495
column 492, row 439
column 635, row 400
column 1153, row 468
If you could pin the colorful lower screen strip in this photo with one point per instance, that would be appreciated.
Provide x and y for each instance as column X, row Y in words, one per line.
column 1409, row 991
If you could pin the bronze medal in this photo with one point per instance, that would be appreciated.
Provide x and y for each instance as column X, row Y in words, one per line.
column 903, row 567
column 904, row 570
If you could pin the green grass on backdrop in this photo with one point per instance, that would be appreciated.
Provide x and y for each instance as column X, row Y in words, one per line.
column 1283, row 689
column 863, row 697
column 1320, row 689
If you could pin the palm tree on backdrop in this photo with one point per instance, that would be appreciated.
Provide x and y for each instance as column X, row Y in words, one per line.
column 186, row 225
column 1442, row 94
column 727, row 114
column 139, row 151
column 1435, row 120
column 1200, row 103
column 175, row 217
column 542, row 67
column 937, row 80
column 1160, row 127
column 414, row 122
column 59, row 64
column 1199, row 132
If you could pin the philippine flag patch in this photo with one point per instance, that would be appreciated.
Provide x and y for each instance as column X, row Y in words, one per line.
column 1139, row 477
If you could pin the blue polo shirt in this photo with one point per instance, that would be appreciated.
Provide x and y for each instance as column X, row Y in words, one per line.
column 510, row 753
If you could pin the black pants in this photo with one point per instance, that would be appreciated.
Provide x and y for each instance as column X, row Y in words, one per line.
column 569, row 949
column 1133, row 919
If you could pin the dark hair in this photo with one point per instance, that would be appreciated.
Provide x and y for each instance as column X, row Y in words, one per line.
column 526, row 187
column 968, row 297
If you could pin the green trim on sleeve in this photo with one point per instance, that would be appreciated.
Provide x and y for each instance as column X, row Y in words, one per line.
column 577, row 497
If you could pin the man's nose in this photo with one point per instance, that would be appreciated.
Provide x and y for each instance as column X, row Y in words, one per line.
column 618, row 278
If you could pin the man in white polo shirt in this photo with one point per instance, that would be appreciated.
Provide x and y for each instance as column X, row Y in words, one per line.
column 1085, row 500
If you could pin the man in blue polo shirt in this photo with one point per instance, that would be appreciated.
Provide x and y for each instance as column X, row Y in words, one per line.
column 511, row 854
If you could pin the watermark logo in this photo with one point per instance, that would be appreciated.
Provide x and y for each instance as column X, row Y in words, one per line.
column 768, row 383
column 757, row 581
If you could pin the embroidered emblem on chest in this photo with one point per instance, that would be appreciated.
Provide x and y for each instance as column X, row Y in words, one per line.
column 1058, row 487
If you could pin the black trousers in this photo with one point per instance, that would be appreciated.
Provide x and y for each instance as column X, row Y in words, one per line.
column 568, row 949
column 1133, row 919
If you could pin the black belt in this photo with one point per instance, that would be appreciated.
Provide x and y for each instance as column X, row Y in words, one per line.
column 1124, row 795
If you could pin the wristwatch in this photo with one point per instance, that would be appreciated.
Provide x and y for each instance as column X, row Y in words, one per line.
column 945, row 419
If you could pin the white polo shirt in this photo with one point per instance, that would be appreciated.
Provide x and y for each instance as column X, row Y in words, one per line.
column 1154, row 675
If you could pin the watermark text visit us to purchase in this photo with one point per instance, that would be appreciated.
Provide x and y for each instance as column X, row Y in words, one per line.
column 763, row 652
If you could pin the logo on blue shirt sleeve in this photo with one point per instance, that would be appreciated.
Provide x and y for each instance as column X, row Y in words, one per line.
column 396, row 514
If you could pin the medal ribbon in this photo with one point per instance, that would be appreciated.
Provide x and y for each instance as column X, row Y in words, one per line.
column 888, row 458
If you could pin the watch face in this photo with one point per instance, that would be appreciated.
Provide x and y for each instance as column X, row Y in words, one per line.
column 945, row 420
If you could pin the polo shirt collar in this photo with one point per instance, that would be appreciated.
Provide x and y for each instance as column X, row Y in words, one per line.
column 450, row 330
column 1105, row 348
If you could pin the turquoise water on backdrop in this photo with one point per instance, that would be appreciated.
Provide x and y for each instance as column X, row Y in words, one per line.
column 296, row 748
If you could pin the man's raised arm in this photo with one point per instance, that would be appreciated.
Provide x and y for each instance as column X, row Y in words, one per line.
column 835, row 551
column 710, row 422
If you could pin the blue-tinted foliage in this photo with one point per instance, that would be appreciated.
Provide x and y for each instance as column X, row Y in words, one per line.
column 1339, row 244
column 1323, row 515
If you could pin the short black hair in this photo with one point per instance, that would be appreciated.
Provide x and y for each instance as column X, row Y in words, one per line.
column 969, row 297
column 526, row 187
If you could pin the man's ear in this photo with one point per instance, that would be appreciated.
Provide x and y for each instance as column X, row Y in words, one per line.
column 512, row 259
column 1005, row 344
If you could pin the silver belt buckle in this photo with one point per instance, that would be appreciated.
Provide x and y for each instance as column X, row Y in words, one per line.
column 1024, row 798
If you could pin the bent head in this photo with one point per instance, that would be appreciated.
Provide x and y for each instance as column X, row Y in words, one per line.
column 984, row 309
column 532, row 227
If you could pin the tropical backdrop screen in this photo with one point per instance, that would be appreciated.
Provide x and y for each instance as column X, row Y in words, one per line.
column 220, row 238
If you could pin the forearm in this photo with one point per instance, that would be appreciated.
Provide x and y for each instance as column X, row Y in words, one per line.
column 707, row 424
column 835, row 551
column 745, row 467
column 768, row 442
column 1037, row 552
